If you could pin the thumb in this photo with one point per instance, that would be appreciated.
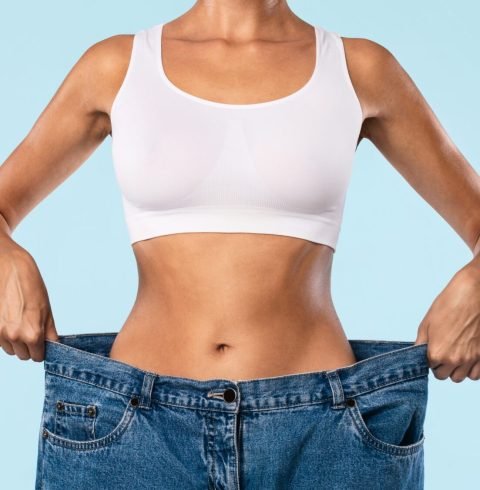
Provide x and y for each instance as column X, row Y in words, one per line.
column 422, row 334
column 50, row 331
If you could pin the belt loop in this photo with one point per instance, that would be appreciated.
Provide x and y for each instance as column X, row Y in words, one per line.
column 146, row 394
column 337, row 389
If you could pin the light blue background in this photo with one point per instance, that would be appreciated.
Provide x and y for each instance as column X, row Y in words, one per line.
column 395, row 253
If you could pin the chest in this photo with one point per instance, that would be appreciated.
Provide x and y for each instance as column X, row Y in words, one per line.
column 240, row 73
column 171, row 150
column 187, row 162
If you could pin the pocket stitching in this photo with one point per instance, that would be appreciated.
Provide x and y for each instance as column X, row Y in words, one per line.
column 72, row 409
column 383, row 446
column 102, row 442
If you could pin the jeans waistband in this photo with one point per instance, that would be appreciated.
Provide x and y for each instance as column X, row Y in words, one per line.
column 84, row 357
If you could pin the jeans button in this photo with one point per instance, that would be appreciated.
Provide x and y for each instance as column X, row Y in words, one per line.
column 229, row 395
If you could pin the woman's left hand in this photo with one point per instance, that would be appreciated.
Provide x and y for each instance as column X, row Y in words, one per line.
column 451, row 327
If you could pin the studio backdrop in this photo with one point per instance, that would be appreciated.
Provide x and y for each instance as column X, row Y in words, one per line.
column 395, row 253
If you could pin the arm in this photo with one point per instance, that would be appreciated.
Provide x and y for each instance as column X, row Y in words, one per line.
column 401, row 124
column 69, row 129
column 476, row 248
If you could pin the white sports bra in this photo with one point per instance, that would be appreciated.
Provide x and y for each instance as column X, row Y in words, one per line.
column 188, row 164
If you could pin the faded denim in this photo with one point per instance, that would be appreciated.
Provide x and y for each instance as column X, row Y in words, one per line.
column 109, row 425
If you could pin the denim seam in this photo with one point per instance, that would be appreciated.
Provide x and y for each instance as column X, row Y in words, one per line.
column 389, row 384
column 268, row 409
column 337, row 389
column 127, row 395
column 159, row 402
column 238, row 419
column 43, row 465
column 244, row 382
column 243, row 410
column 211, row 441
column 42, row 474
column 379, row 341
column 146, row 392
column 99, row 356
column 88, row 334
column 162, row 403
column 236, row 442
column 379, row 356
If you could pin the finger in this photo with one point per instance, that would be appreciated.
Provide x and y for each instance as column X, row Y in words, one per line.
column 50, row 330
column 442, row 371
column 475, row 372
column 37, row 348
column 21, row 350
column 422, row 336
column 8, row 348
column 434, row 359
column 461, row 372
column 32, row 337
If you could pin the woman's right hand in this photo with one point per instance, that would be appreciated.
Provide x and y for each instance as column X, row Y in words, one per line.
column 26, row 318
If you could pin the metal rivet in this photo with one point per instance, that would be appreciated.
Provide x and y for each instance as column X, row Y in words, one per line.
column 60, row 405
column 134, row 401
column 91, row 411
column 45, row 433
column 351, row 402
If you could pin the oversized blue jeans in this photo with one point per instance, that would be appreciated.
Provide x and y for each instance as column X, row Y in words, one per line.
column 109, row 425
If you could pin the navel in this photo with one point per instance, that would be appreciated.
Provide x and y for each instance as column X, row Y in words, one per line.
column 221, row 347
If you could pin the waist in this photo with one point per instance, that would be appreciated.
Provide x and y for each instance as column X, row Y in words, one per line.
column 284, row 343
column 84, row 357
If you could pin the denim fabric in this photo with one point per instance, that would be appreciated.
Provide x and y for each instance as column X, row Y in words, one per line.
column 109, row 425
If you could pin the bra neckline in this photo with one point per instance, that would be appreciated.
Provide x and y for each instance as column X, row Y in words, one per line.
column 158, row 30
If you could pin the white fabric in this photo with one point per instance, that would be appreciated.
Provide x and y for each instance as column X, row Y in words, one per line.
column 187, row 164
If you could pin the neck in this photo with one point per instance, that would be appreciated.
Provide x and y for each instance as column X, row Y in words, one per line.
column 240, row 19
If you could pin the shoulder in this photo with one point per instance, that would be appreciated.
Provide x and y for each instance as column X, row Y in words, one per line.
column 101, row 68
column 377, row 75
column 367, row 53
column 109, row 54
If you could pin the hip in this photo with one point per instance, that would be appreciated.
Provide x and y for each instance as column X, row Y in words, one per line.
column 359, row 426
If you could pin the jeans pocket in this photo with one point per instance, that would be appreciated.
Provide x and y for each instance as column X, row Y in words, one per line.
column 391, row 418
column 83, row 416
column 75, row 420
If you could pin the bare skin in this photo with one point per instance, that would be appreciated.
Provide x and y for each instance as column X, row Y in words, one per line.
column 227, row 305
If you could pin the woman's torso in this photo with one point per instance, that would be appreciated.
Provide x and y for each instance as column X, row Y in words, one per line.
column 233, row 305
